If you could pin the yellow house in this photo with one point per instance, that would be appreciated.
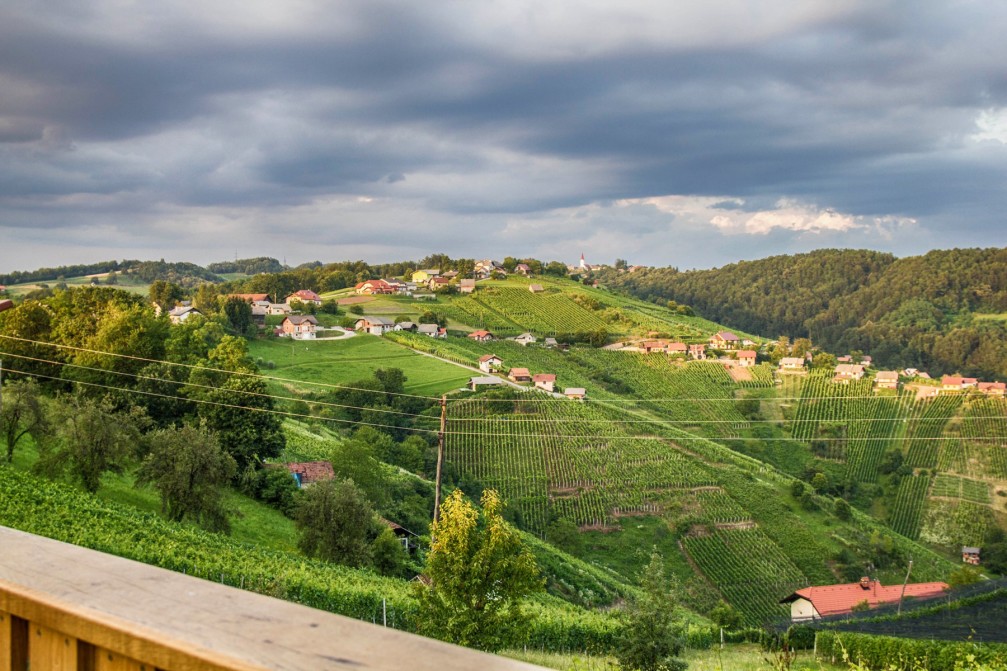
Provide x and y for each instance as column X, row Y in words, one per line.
column 425, row 275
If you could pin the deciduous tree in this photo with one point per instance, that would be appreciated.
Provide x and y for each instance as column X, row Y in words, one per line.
column 334, row 520
column 189, row 470
column 23, row 414
column 479, row 572
column 652, row 637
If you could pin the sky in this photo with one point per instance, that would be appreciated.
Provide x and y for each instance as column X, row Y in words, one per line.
column 690, row 134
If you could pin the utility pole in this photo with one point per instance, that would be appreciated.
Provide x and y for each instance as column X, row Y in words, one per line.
column 904, row 582
column 440, row 456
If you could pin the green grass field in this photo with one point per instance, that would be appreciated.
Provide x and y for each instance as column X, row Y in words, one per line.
column 345, row 361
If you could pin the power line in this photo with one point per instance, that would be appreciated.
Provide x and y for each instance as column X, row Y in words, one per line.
column 205, row 386
column 217, row 370
column 225, row 405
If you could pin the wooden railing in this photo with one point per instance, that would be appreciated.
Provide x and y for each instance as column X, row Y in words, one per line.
column 64, row 607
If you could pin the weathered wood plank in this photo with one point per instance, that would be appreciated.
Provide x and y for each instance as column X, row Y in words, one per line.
column 50, row 649
column 178, row 623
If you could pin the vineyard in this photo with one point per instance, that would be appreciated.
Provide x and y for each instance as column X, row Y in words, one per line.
column 568, row 460
column 750, row 570
column 908, row 507
column 59, row 511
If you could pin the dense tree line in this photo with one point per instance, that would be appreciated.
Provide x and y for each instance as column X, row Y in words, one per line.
column 917, row 311
column 76, row 270
column 259, row 264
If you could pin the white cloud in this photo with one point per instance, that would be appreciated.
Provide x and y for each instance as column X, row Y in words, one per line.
column 991, row 125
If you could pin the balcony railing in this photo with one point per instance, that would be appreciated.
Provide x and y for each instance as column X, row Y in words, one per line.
column 64, row 607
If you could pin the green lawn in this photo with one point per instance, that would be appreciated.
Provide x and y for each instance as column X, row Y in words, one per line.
column 346, row 361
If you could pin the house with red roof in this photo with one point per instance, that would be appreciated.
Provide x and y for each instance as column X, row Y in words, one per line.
column 697, row 352
column 373, row 287
column 305, row 296
column 519, row 375
column 993, row 388
column 490, row 363
column 545, row 381
column 250, row 298
column 481, row 336
column 746, row 358
column 309, row 472
column 812, row 603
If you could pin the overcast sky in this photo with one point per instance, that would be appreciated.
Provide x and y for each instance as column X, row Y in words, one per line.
column 691, row 134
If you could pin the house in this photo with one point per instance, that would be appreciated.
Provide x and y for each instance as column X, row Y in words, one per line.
column 410, row 541
column 432, row 331
column 791, row 364
column 305, row 296
column 250, row 298
column 299, row 327
column 970, row 555
column 536, row 288
column 309, row 472
column 954, row 383
column 481, row 336
column 259, row 312
column 519, row 375
column 438, row 283
column 992, row 388
column 373, row 287
column 278, row 309
column 886, row 379
column 846, row 358
column 523, row 269
column 525, row 339
column 424, row 276
column 652, row 346
column 677, row 348
column 466, row 286
column 550, row 342
column 374, row 325
column 746, row 358
column 697, row 352
column 911, row 372
column 724, row 340
column 476, row 382
column 926, row 391
column 451, row 274
column 487, row 267
column 867, row 360
column 812, row 603
column 545, row 381
column 405, row 326
column 575, row 393
column 490, row 363
column 848, row 371
column 180, row 314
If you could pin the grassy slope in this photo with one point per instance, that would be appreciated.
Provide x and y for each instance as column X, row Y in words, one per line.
column 345, row 361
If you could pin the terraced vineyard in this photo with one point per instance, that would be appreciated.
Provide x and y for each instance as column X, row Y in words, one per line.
column 950, row 486
column 925, row 429
column 909, row 503
column 984, row 435
column 567, row 458
column 750, row 570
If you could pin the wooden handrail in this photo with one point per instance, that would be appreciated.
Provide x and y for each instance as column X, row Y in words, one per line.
column 66, row 607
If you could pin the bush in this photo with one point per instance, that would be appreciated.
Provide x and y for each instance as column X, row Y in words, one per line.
column 878, row 652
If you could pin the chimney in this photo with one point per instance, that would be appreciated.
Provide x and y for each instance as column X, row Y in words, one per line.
column 865, row 583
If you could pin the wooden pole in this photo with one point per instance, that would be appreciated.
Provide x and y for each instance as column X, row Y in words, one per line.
column 440, row 457
column 904, row 586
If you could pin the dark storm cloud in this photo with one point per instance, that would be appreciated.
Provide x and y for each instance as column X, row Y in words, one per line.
column 471, row 118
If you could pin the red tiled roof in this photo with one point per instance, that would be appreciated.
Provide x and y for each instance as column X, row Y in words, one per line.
column 487, row 357
column 520, row 372
column 306, row 295
column 311, row 471
column 951, row 380
column 746, row 354
column 838, row 599
column 544, row 377
column 479, row 334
